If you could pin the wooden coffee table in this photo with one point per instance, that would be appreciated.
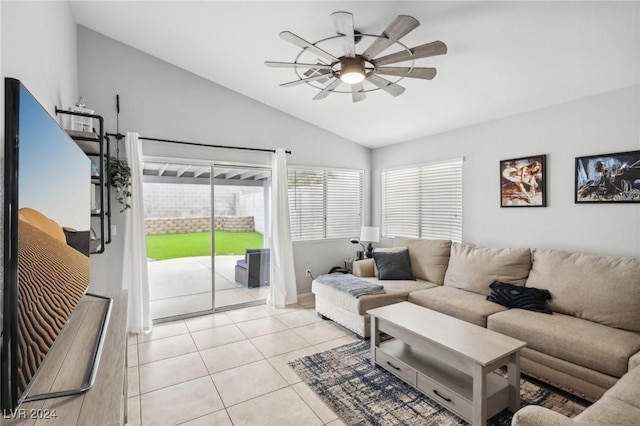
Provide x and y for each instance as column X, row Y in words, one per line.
column 449, row 360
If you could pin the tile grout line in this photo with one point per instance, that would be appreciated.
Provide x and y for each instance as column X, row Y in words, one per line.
column 310, row 408
column 264, row 358
column 249, row 339
column 138, row 373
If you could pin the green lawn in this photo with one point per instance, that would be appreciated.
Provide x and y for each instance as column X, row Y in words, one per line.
column 171, row 246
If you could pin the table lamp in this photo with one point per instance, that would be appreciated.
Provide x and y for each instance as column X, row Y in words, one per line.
column 359, row 254
column 372, row 235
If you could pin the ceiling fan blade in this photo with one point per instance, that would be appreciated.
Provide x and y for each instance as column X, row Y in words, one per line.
column 300, row 42
column 423, row 51
column 343, row 22
column 327, row 90
column 400, row 27
column 424, row 73
column 357, row 92
column 296, row 65
column 304, row 80
column 389, row 87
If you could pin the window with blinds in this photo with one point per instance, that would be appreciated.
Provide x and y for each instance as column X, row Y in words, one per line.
column 325, row 203
column 423, row 201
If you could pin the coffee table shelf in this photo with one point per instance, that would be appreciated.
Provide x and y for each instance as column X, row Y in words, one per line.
column 438, row 380
column 449, row 360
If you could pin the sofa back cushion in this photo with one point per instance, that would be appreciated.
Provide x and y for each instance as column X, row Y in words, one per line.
column 429, row 258
column 475, row 268
column 601, row 289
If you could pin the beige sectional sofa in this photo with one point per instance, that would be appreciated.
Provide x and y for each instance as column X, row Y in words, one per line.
column 589, row 342
column 620, row 405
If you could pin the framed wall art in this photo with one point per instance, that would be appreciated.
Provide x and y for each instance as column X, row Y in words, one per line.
column 608, row 178
column 523, row 182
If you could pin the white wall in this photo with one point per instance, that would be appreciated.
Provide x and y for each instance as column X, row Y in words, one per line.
column 38, row 47
column 160, row 100
column 605, row 123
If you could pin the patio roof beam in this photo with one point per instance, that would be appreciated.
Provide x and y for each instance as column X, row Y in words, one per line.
column 250, row 174
column 162, row 169
column 233, row 173
column 202, row 171
column 219, row 172
column 182, row 170
column 262, row 175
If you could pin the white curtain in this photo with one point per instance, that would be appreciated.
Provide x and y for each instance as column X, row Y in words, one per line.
column 134, row 269
column 282, row 290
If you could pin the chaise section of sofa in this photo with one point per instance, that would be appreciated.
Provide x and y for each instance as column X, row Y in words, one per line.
column 429, row 260
column 351, row 312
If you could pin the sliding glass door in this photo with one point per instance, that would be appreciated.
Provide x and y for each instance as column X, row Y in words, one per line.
column 241, row 230
column 177, row 206
column 207, row 237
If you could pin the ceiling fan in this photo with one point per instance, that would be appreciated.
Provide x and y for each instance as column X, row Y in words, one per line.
column 328, row 72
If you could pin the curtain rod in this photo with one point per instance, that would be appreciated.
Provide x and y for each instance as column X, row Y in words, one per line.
column 119, row 136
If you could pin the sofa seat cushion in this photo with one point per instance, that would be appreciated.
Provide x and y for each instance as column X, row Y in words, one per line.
column 601, row 289
column 396, row 291
column 465, row 305
column 474, row 268
column 581, row 342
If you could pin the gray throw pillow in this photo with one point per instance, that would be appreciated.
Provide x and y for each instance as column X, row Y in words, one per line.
column 393, row 265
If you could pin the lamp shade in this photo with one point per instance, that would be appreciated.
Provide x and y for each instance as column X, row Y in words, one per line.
column 370, row 233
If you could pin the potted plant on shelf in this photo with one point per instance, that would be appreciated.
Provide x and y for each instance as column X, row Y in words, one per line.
column 120, row 179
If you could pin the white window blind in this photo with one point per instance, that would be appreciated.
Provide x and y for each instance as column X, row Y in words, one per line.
column 423, row 201
column 325, row 203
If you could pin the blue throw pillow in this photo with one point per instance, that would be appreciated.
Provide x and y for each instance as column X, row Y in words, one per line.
column 513, row 296
column 393, row 265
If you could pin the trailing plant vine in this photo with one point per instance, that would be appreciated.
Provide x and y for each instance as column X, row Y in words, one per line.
column 120, row 179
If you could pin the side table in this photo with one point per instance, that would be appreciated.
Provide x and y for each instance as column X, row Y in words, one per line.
column 348, row 264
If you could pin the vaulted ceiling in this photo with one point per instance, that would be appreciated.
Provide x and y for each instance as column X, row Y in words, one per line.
column 504, row 58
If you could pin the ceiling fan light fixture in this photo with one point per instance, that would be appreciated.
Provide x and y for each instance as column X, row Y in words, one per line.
column 352, row 71
column 328, row 72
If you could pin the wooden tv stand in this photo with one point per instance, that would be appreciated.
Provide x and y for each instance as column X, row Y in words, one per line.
column 65, row 367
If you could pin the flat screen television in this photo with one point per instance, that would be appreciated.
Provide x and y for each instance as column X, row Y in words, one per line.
column 46, row 237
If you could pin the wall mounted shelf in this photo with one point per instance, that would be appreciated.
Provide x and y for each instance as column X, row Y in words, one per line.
column 96, row 147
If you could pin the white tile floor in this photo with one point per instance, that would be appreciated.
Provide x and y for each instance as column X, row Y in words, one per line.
column 231, row 369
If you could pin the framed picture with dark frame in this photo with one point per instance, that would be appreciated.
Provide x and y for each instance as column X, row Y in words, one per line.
column 523, row 182
column 608, row 178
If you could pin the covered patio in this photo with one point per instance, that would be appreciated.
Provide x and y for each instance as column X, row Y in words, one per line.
column 183, row 286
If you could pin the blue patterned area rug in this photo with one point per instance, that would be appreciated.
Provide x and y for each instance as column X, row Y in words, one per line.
column 363, row 395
